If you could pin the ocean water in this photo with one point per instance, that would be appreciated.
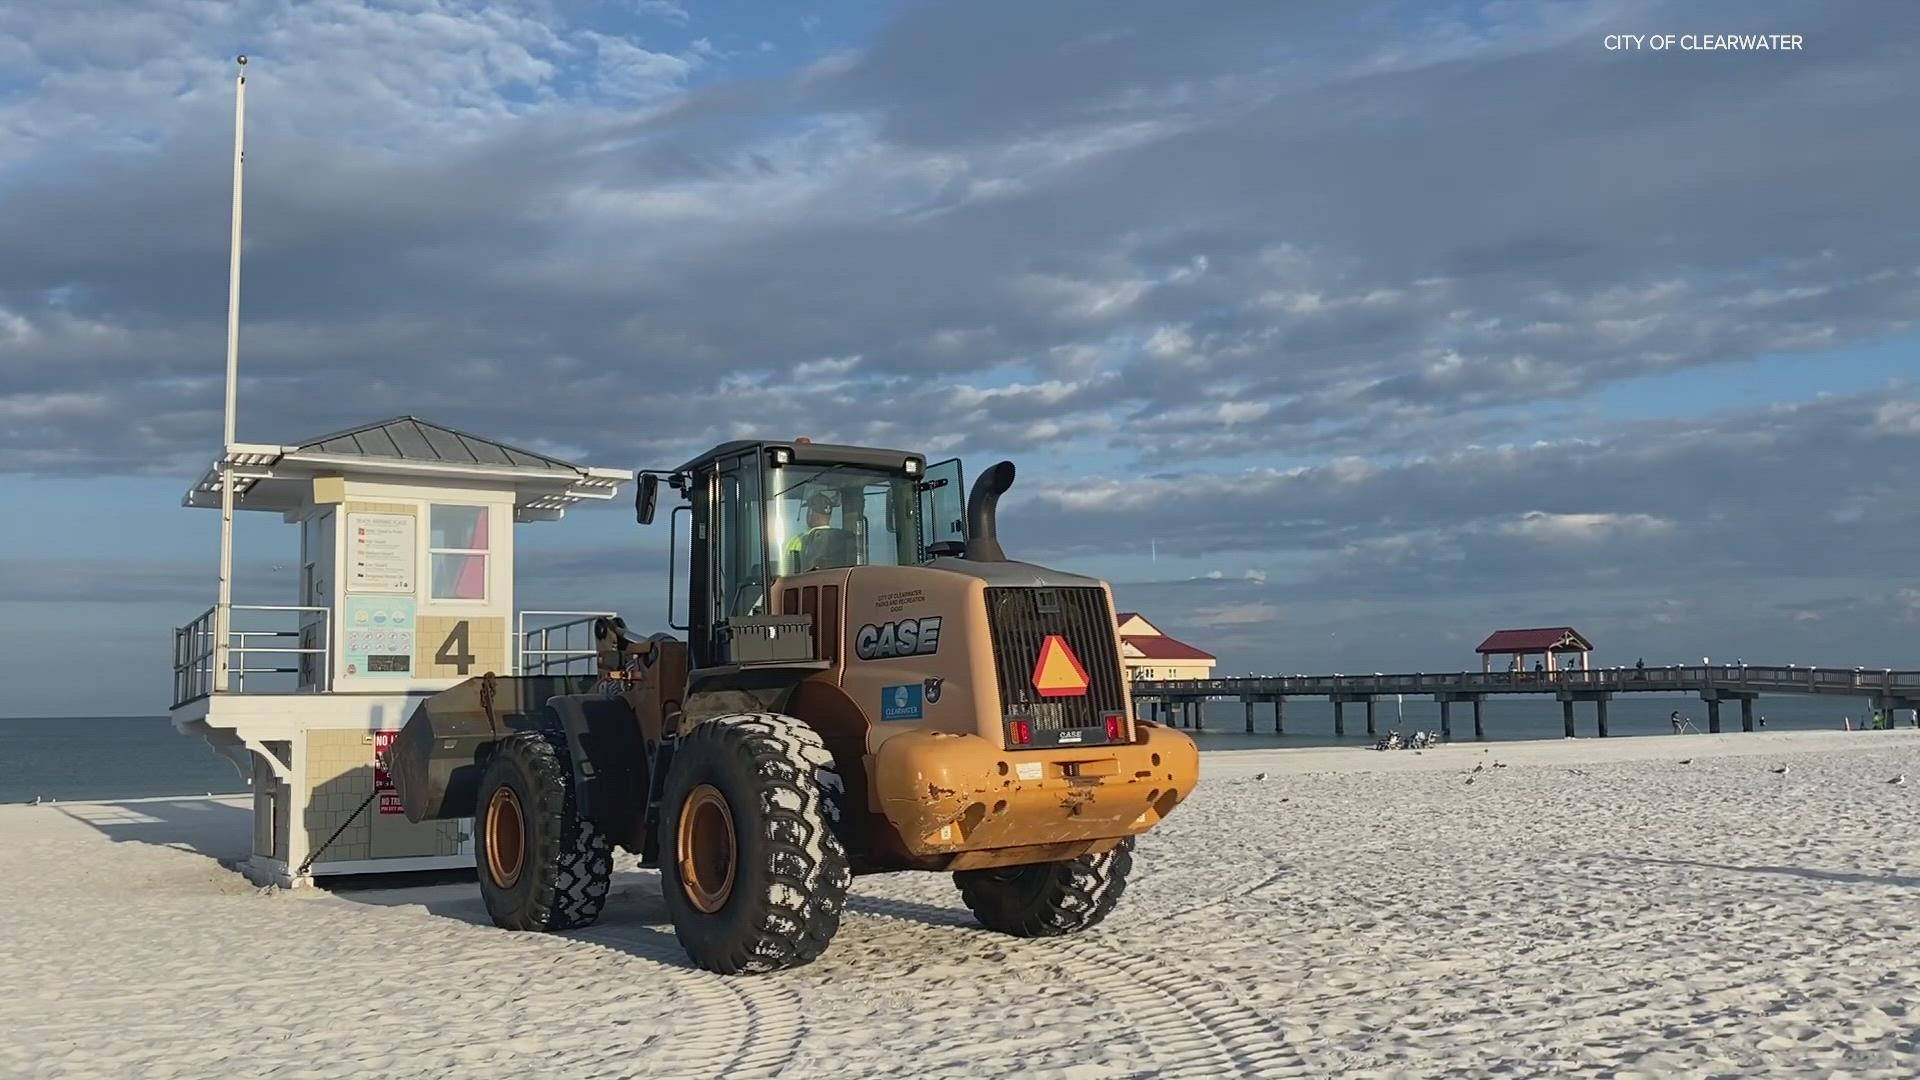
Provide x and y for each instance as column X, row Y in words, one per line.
column 119, row 757
column 128, row 757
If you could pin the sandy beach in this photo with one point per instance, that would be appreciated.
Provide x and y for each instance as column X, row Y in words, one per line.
column 1588, row 908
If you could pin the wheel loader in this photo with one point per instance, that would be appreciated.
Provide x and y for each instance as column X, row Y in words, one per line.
column 862, row 682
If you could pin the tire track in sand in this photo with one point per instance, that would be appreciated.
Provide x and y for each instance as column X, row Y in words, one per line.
column 742, row 1026
column 1192, row 1024
column 1196, row 1024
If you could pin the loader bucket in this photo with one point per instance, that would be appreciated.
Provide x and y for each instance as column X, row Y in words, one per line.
column 437, row 758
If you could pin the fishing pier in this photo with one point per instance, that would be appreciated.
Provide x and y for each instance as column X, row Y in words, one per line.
column 1178, row 702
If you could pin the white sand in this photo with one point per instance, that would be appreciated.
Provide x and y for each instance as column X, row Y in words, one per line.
column 1594, row 909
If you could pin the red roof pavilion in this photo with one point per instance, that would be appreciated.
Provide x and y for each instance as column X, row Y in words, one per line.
column 1547, row 641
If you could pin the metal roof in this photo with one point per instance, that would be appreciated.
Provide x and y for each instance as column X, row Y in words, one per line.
column 1162, row 647
column 278, row 478
column 1536, row 639
column 409, row 438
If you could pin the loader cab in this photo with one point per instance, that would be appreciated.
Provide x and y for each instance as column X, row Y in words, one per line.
column 758, row 512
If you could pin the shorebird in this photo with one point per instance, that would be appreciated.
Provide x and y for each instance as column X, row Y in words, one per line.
column 1499, row 764
column 1477, row 768
column 1469, row 779
column 1782, row 770
column 1686, row 761
column 35, row 802
column 1901, row 779
column 1256, row 776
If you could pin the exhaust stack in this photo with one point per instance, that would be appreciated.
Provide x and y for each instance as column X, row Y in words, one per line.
column 983, row 504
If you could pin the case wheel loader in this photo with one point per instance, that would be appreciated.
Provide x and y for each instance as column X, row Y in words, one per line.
column 865, row 683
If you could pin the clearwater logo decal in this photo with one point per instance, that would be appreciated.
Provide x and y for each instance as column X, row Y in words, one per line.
column 903, row 637
column 900, row 702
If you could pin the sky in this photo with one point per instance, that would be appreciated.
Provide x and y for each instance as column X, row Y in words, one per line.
column 1335, row 335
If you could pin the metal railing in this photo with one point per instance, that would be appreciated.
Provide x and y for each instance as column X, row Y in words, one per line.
column 551, row 648
column 1730, row 677
column 194, row 652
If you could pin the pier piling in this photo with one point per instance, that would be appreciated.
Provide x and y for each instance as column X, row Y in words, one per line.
column 1713, row 716
column 1566, row 715
column 1446, row 719
column 1479, row 728
column 1370, row 731
column 1279, row 727
column 1746, row 714
column 1249, row 704
column 1600, row 710
column 1339, row 718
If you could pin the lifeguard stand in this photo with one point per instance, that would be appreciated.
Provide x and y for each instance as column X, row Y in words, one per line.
column 405, row 588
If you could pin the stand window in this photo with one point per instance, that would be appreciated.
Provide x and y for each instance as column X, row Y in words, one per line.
column 457, row 548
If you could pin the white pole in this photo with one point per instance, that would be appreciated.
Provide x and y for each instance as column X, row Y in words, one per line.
column 223, row 608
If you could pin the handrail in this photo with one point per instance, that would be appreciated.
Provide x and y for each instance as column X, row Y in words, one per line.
column 1736, row 678
column 534, row 653
column 193, row 651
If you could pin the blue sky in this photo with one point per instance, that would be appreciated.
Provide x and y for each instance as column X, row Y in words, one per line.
column 1386, row 324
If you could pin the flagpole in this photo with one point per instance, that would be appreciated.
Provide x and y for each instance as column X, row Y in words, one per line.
column 223, row 608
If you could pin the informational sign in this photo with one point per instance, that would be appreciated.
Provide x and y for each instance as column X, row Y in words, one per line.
column 382, row 779
column 379, row 637
column 380, row 553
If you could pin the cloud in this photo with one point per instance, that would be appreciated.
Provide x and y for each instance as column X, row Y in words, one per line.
column 1410, row 313
column 1583, row 528
column 539, row 200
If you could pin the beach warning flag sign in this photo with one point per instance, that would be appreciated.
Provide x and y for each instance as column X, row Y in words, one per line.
column 1058, row 672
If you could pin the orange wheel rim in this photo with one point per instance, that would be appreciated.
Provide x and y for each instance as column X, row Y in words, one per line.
column 506, row 838
column 706, row 848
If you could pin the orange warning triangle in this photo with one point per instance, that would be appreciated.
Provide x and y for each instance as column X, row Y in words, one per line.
column 1058, row 672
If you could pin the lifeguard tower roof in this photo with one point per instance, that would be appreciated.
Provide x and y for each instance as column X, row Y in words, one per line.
column 278, row 478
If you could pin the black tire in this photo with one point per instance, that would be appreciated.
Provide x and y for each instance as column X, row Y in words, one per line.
column 564, row 865
column 1048, row 899
column 785, row 871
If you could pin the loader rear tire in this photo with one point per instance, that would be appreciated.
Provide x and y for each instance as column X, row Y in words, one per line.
column 753, row 874
column 1048, row 899
column 542, row 866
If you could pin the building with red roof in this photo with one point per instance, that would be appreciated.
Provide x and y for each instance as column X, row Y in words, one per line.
column 1554, row 645
column 1149, row 654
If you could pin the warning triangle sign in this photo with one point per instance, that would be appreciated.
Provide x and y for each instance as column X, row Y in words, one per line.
column 1058, row 672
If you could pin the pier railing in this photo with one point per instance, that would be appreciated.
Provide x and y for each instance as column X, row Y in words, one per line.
column 266, row 647
column 564, row 647
column 1732, row 678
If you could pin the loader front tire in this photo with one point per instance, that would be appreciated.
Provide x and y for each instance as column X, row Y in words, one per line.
column 753, row 875
column 542, row 866
column 1048, row 899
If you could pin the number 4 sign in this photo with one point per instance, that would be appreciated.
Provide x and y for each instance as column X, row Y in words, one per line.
column 456, row 652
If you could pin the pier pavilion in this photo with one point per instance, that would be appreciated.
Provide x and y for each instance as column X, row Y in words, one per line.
column 1553, row 644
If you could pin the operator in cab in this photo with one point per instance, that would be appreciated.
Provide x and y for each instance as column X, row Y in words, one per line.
column 821, row 545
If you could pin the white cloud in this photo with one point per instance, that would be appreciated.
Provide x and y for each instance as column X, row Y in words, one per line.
column 1584, row 528
column 1900, row 417
column 664, row 10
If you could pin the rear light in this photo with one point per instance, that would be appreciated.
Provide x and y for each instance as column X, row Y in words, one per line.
column 1019, row 732
column 1116, row 727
